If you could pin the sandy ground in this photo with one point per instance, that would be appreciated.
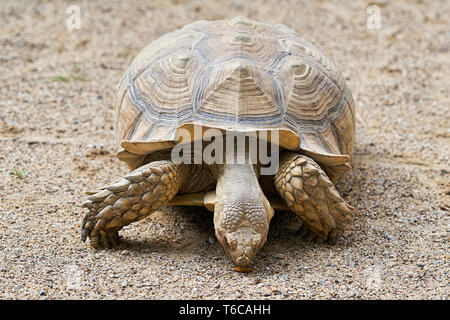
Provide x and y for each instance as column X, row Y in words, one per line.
column 56, row 140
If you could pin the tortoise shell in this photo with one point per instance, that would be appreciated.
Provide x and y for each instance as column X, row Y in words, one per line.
column 235, row 74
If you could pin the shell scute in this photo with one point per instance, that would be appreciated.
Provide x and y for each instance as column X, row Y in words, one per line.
column 239, row 74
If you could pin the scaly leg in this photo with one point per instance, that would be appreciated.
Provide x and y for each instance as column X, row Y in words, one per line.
column 129, row 199
column 312, row 196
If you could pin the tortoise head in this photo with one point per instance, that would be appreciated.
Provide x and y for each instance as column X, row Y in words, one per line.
column 241, row 228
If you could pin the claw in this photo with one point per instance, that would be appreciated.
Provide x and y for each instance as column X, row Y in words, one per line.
column 100, row 196
column 135, row 176
column 119, row 186
column 88, row 225
column 84, row 234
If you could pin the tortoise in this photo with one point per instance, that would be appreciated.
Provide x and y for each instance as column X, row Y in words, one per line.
column 233, row 75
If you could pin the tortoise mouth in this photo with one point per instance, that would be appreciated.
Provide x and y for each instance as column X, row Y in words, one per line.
column 242, row 261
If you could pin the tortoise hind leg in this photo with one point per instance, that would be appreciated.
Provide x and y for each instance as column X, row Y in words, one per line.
column 129, row 199
column 312, row 196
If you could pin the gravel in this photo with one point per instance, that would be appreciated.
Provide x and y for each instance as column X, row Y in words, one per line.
column 57, row 140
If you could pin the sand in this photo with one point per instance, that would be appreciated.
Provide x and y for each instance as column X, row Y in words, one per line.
column 56, row 140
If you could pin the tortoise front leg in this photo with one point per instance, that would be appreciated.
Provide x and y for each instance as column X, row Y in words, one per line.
column 312, row 196
column 129, row 199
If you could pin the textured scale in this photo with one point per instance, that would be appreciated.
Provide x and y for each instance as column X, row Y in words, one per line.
column 237, row 74
column 130, row 199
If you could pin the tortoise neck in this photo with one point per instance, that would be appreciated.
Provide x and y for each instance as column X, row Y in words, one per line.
column 237, row 181
column 237, row 178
